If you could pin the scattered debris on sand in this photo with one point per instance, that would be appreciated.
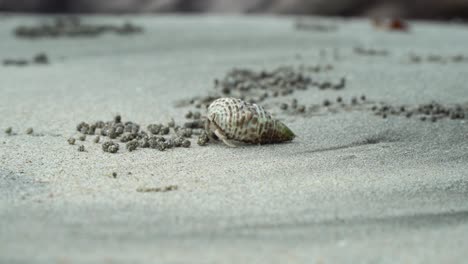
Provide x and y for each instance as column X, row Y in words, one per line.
column 432, row 58
column 72, row 26
column 71, row 141
column 314, row 25
column 9, row 131
column 39, row 59
column 425, row 112
column 156, row 136
column 392, row 24
column 370, row 51
column 258, row 86
column 158, row 189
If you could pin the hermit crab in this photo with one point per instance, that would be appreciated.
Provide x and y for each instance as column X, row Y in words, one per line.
column 234, row 119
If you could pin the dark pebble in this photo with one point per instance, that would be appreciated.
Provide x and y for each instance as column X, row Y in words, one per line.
column 132, row 145
column 203, row 139
column 117, row 119
column 186, row 143
column 41, row 58
column 196, row 115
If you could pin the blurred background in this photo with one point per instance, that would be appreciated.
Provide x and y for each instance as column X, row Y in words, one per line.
column 417, row 9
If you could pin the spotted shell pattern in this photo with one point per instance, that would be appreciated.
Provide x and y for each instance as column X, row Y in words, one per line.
column 250, row 123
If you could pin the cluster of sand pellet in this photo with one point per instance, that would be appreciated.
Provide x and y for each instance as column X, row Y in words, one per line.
column 259, row 86
column 73, row 27
column 40, row 58
column 156, row 136
column 431, row 111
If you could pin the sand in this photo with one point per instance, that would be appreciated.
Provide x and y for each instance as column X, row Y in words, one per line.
column 351, row 188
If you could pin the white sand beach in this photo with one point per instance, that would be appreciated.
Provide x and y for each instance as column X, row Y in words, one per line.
column 352, row 187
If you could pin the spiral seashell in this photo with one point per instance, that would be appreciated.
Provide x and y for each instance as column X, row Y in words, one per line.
column 234, row 119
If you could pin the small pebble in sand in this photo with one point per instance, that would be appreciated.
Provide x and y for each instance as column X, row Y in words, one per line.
column 126, row 137
column 113, row 133
column 41, row 58
column 171, row 123
column 118, row 119
column 29, row 131
column 143, row 143
column 294, row 103
column 154, row 128
column 184, row 132
column 326, row 102
column 81, row 125
column 132, row 145
column 71, row 141
column 363, row 97
column 178, row 141
column 341, row 84
column 384, row 116
column 114, row 174
column 113, row 148
column 423, row 118
column 203, row 139
column 169, row 143
column 409, row 114
column 110, row 146
column 339, row 99
column 160, row 145
column 196, row 115
column 284, row 106
column 9, row 130
column 325, row 85
column 82, row 137
column 186, row 143
column 301, row 109
column 195, row 124
column 189, row 114
column 354, row 100
column 81, row 148
column 164, row 130
column 96, row 139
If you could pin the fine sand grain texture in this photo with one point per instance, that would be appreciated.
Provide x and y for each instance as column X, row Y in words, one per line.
column 353, row 187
